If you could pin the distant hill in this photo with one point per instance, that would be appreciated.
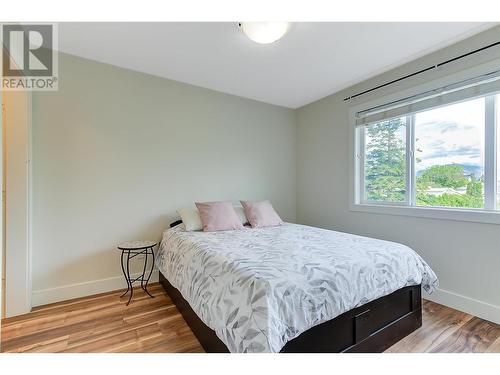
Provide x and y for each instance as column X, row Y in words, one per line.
column 469, row 169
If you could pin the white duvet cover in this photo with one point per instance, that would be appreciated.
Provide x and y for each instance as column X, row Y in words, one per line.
column 260, row 288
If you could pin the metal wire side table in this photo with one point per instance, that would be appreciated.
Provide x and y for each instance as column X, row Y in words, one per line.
column 130, row 250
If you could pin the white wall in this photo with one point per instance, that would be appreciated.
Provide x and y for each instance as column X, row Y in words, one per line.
column 116, row 152
column 465, row 255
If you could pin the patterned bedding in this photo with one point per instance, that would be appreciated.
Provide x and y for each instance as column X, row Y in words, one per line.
column 260, row 288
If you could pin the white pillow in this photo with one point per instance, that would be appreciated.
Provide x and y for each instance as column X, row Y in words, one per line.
column 241, row 214
column 192, row 221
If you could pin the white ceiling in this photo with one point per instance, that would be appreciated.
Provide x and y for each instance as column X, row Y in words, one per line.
column 312, row 61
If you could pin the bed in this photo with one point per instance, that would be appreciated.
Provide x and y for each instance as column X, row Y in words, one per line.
column 293, row 288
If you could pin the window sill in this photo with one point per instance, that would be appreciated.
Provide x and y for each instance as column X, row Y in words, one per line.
column 457, row 214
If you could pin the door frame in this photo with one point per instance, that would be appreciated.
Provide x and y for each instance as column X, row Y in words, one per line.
column 17, row 203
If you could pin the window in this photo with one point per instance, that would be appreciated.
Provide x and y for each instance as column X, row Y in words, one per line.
column 449, row 156
column 438, row 156
column 385, row 161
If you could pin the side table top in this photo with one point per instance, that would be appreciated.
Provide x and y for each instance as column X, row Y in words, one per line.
column 136, row 245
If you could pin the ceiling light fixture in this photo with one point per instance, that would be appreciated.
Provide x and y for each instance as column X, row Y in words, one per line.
column 264, row 32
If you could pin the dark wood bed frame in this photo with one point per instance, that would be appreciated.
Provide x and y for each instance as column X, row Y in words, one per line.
column 370, row 328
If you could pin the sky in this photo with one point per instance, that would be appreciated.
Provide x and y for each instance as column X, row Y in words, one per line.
column 451, row 135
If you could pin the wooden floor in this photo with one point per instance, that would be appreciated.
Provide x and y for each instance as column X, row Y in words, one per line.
column 103, row 323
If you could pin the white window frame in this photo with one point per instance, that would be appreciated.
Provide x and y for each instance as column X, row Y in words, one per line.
column 408, row 208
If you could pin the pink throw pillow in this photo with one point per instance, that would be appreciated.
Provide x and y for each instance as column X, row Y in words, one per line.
column 217, row 216
column 261, row 214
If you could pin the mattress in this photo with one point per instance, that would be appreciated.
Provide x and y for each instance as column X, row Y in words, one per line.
column 260, row 288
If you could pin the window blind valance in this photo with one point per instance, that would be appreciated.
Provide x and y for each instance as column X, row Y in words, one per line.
column 478, row 86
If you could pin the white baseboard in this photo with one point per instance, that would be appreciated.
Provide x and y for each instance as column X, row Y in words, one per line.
column 88, row 288
column 468, row 305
